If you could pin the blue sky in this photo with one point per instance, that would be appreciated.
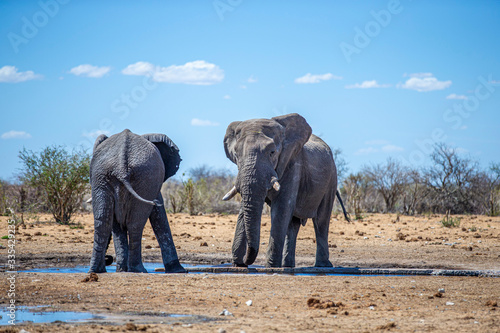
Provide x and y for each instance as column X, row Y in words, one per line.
column 373, row 78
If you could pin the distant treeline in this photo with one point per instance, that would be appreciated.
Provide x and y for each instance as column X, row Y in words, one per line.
column 453, row 183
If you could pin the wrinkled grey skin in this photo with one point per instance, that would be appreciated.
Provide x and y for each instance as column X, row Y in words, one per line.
column 281, row 147
column 126, row 174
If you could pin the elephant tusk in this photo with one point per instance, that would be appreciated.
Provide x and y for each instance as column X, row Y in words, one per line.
column 89, row 201
column 229, row 195
column 275, row 184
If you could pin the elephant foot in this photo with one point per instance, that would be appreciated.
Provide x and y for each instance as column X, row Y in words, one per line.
column 120, row 269
column 98, row 270
column 325, row 263
column 138, row 269
column 108, row 260
column 174, row 267
column 239, row 265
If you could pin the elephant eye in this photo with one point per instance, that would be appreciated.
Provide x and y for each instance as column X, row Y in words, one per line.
column 272, row 153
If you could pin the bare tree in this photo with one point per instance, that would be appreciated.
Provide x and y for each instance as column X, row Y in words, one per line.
column 341, row 164
column 454, row 180
column 389, row 179
column 491, row 199
column 356, row 189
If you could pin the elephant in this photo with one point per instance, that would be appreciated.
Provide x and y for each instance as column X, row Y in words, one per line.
column 282, row 163
column 126, row 174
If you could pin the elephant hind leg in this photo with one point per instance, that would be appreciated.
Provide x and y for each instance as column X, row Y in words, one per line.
column 135, row 222
column 121, row 246
column 291, row 242
column 159, row 222
column 321, row 229
column 103, row 208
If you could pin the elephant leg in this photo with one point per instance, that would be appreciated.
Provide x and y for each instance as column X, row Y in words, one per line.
column 239, row 243
column 135, row 226
column 281, row 217
column 103, row 208
column 290, row 242
column 321, row 228
column 121, row 247
column 161, row 228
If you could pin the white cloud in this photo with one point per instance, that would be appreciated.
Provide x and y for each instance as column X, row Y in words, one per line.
column 10, row 74
column 455, row 96
column 197, row 72
column 424, row 82
column 366, row 85
column 495, row 82
column 227, row 97
column 201, row 122
column 391, row 148
column 310, row 78
column 16, row 135
column 139, row 68
column 94, row 134
column 252, row 79
column 90, row 71
column 243, row 87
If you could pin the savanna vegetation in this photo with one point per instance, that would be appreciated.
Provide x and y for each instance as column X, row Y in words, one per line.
column 56, row 180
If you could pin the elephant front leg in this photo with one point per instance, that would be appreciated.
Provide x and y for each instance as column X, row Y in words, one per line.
column 161, row 228
column 239, row 243
column 281, row 217
column 121, row 247
column 290, row 242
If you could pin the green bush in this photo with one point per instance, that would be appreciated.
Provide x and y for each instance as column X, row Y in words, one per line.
column 62, row 177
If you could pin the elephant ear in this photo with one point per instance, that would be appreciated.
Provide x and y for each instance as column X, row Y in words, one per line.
column 297, row 132
column 230, row 141
column 98, row 141
column 168, row 151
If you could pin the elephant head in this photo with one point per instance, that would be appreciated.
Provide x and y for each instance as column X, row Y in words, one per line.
column 262, row 149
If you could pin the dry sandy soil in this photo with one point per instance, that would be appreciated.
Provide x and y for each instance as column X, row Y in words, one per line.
column 279, row 302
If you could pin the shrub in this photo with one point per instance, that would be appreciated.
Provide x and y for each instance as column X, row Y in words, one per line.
column 61, row 176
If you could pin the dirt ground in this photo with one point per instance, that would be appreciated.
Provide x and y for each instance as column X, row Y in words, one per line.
column 282, row 303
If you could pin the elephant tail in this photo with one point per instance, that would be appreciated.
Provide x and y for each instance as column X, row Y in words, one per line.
column 346, row 214
column 129, row 187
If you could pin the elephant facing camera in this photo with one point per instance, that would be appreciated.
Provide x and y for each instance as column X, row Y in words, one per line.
column 281, row 163
column 126, row 174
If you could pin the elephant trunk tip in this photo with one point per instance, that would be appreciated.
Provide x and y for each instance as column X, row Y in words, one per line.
column 250, row 256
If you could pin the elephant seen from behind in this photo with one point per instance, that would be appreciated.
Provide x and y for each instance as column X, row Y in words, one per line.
column 282, row 163
column 126, row 174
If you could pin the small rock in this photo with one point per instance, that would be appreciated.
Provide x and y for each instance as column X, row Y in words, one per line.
column 221, row 330
column 225, row 313
column 249, row 302
column 450, row 303
column 441, row 290
column 203, row 244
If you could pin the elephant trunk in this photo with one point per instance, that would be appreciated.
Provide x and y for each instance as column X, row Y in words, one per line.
column 253, row 189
